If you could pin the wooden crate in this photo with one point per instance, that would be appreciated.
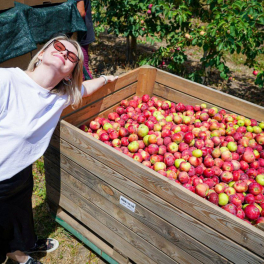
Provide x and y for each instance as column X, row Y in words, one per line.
column 6, row 4
column 165, row 222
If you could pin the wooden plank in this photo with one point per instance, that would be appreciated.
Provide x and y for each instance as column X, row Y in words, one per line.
column 111, row 252
column 123, row 81
column 159, row 225
column 79, row 212
column 173, row 95
column 218, row 98
column 103, row 113
column 170, row 191
column 100, row 105
column 72, row 192
column 161, row 244
column 195, row 228
column 146, row 80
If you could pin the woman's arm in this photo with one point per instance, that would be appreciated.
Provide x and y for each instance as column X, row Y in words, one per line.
column 93, row 85
column 81, row 8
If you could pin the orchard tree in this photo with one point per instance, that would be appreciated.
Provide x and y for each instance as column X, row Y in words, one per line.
column 219, row 27
column 134, row 18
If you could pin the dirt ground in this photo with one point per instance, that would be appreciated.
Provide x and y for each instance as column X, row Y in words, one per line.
column 107, row 56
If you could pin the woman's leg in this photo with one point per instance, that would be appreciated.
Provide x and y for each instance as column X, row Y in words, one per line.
column 86, row 59
column 18, row 256
column 16, row 216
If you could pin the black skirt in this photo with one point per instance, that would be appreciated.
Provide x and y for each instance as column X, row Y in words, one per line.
column 16, row 216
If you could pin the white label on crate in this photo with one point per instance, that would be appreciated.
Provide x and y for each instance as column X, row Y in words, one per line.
column 129, row 205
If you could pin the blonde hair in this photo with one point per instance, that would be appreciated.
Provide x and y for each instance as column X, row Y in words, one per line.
column 73, row 89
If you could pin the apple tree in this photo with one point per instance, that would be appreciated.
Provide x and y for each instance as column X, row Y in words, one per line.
column 218, row 27
column 134, row 18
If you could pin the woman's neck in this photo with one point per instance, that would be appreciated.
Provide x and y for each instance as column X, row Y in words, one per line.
column 46, row 77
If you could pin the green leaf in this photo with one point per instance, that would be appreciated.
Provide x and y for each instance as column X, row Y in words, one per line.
column 223, row 75
column 232, row 31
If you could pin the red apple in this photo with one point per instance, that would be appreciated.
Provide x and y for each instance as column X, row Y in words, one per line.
column 202, row 189
column 252, row 212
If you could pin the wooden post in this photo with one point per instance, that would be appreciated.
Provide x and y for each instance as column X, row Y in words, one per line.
column 146, row 80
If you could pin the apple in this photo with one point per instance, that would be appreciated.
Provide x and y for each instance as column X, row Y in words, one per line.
column 249, row 198
column 183, row 177
column 153, row 149
column 146, row 163
column 241, row 186
column 178, row 162
column 138, row 157
column 159, row 166
column 213, row 198
column 240, row 213
column 255, row 188
column 223, row 199
column 197, row 153
column 231, row 208
column 116, row 142
column 132, row 137
column 133, row 146
column 235, row 199
column 226, row 176
column 202, row 189
column 172, row 147
column 185, row 166
column 171, row 175
column 260, row 179
column 152, row 139
column 232, row 146
column 252, row 212
column 248, row 156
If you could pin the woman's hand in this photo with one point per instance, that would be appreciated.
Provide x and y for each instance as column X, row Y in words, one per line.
column 90, row 86
column 111, row 78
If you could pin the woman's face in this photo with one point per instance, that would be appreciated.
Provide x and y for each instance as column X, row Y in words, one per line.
column 58, row 59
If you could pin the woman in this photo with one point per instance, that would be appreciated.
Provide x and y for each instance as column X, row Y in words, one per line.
column 31, row 103
column 86, row 38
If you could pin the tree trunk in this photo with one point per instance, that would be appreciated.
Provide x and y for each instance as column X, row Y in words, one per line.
column 133, row 49
column 207, row 71
column 131, row 43
column 128, row 49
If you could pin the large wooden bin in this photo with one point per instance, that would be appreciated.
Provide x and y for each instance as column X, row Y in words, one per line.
column 165, row 223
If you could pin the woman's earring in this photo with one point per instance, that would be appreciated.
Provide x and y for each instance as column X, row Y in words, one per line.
column 38, row 63
column 67, row 82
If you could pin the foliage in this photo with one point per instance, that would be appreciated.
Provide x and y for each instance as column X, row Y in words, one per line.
column 217, row 26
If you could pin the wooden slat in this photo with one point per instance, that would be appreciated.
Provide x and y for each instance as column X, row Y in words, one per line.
column 123, row 81
column 79, row 212
column 173, row 95
column 89, row 201
column 117, row 212
column 146, row 80
column 85, row 232
column 100, row 105
column 163, row 228
column 171, row 192
column 102, row 113
column 218, row 98
column 195, row 228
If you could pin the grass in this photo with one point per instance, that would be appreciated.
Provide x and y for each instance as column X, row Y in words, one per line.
column 71, row 250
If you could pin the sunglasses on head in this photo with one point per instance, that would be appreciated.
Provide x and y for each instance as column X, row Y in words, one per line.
column 70, row 55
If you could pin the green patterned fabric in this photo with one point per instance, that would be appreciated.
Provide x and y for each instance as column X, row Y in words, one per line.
column 23, row 27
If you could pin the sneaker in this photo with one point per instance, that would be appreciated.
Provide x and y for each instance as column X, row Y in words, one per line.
column 44, row 245
column 33, row 261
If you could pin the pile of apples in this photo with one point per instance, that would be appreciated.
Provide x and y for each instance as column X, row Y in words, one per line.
column 217, row 155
